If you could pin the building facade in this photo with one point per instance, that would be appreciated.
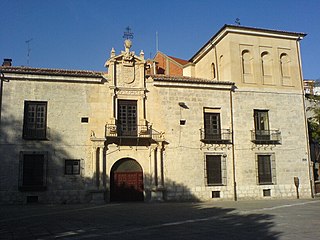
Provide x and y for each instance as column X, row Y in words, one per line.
column 231, row 126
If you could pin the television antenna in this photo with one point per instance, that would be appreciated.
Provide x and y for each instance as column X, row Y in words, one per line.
column 237, row 21
column 28, row 50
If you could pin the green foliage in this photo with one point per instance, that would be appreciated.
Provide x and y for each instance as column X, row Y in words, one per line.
column 314, row 121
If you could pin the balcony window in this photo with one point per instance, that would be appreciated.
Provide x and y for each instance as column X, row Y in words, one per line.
column 35, row 120
column 261, row 124
column 262, row 134
column 212, row 128
column 212, row 132
column 127, row 118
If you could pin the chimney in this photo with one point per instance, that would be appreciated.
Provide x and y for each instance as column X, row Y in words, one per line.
column 7, row 62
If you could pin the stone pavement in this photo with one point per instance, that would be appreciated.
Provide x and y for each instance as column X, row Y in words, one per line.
column 263, row 219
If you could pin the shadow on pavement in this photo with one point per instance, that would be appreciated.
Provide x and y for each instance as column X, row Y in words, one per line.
column 136, row 221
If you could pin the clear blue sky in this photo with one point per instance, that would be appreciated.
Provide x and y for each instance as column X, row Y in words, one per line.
column 79, row 34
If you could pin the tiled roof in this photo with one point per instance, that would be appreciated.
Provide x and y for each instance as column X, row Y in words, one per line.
column 179, row 60
column 167, row 78
column 50, row 71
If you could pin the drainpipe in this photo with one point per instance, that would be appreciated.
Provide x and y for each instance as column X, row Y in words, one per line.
column 235, row 197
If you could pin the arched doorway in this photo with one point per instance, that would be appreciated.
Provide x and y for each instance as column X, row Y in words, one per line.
column 126, row 182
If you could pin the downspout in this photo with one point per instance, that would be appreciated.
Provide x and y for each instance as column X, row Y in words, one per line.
column 235, row 197
column 305, row 122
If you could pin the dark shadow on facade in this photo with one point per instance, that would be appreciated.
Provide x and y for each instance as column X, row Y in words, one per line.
column 42, row 171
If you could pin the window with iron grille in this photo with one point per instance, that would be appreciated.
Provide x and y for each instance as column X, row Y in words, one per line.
column 33, row 171
column 266, row 168
column 35, row 120
column 72, row 167
column 215, row 169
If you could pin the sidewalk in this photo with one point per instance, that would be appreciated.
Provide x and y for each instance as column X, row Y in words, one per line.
column 272, row 219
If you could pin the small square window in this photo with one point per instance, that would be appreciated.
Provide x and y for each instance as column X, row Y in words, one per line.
column 84, row 119
column 72, row 167
column 266, row 192
column 215, row 194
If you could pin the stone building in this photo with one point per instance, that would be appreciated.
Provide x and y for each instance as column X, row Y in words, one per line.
column 230, row 126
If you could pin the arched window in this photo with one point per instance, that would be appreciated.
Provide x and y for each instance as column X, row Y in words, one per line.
column 213, row 71
column 221, row 68
column 285, row 65
column 266, row 64
column 246, row 62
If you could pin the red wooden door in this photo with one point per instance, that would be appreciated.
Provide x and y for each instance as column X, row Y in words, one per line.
column 127, row 186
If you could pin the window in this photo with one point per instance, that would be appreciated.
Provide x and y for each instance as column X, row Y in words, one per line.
column 246, row 62
column 127, row 118
column 215, row 170
column 213, row 71
column 212, row 128
column 72, row 167
column 266, row 171
column 261, row 124
column 35, row 120
column 285, row 65
column 33, row 167
column 266, row 64
column 221, row 68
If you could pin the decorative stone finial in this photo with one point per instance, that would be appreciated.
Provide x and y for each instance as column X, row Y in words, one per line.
column 142, row 54
column 113, row 53
column 127, row 45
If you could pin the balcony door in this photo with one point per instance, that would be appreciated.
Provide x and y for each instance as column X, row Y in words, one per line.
column 212, row 126
column 261, row 124
column 127, row 118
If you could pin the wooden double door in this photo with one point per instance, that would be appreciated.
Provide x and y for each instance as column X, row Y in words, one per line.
column 126, row 183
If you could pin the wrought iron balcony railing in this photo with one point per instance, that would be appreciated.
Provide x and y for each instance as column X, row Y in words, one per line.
column 266, row 136
column 215, row 135
column 132, row 132
column 129, row 131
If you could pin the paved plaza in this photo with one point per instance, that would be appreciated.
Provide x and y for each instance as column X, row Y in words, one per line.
column 267, row 219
